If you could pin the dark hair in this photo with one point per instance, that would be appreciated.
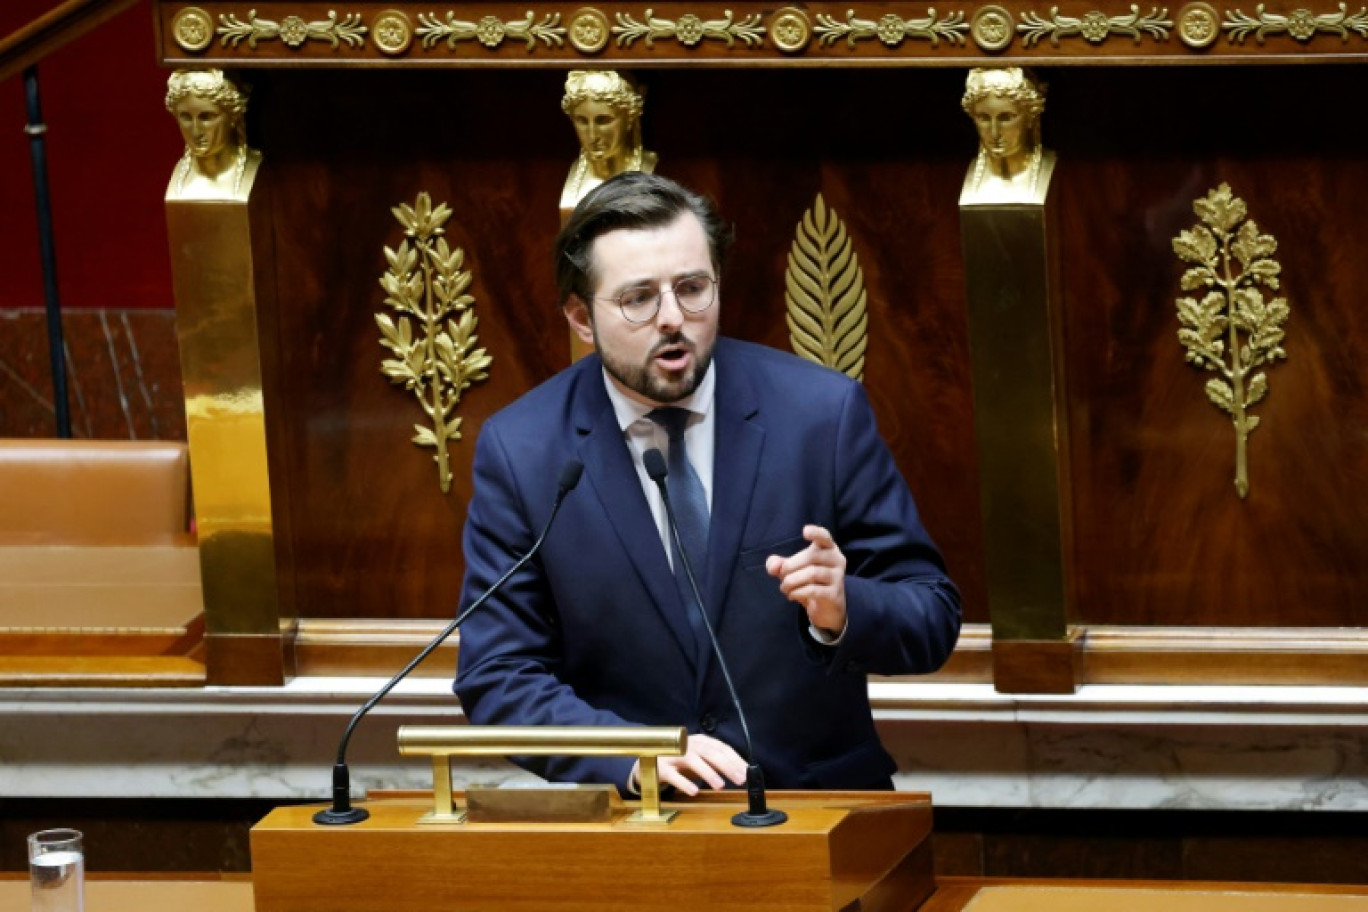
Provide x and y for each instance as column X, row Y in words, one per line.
column 632, row 199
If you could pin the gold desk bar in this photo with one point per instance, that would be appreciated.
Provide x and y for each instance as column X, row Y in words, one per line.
column 442, row 742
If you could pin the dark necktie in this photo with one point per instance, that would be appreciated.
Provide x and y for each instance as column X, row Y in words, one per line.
column 691, row 513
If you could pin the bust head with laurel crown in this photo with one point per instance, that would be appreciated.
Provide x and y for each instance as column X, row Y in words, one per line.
column 209, row 107
column 605, row 108
column 1005, row 104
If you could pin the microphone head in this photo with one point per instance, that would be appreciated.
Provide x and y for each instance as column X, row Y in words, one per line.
column 570, row 476
column 655, row 464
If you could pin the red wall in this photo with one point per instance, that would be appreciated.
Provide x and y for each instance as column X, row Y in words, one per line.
column 110, row 150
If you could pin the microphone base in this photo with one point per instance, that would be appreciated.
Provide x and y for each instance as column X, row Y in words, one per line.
column 334, row 817
column 761, row 819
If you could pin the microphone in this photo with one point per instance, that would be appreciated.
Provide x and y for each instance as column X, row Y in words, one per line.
column 756, row 813
column 342, row 812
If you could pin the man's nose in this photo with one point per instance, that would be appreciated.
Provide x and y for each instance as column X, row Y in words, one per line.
column 670, row 313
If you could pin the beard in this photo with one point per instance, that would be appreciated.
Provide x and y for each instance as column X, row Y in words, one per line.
column 648, row 380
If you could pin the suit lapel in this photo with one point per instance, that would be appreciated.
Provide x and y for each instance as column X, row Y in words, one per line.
column 608, row 466
column 738, row 446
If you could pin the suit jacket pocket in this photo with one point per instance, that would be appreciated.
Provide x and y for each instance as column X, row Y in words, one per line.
column 751, row 558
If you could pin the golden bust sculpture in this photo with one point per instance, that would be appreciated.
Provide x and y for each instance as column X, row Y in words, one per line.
column 217, row 163
column 606, row 111
column 1005, row 104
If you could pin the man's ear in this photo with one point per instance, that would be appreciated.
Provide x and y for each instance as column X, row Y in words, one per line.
column 581, row 322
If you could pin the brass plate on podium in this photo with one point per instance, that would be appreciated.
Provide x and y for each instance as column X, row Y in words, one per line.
column 836, row 849
column 577, row 804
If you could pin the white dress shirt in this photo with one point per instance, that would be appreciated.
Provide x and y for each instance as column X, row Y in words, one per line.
column 641, row 434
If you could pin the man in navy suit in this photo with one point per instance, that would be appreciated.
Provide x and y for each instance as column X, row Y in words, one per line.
column 811, row 560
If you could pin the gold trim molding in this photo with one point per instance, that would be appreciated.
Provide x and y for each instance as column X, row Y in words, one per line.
column 1301, row 24
column 824, row 288
column 1234, row 308
column 689, row 30
column 1095, row 27
column 292, row 30
column 426, row 285
column 491, row 30
column 816, row 34
column 892, row 29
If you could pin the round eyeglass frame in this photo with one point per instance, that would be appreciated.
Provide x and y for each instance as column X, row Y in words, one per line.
column 660, row 298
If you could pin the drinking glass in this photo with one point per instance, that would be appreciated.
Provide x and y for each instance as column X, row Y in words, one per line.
column 57, row 871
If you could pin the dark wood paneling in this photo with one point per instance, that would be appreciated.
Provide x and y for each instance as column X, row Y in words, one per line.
column 373, row 535
column 1162, row 537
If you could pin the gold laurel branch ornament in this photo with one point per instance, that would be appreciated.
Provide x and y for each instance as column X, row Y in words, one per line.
column 824, row 288
column 892, row 29
column 689, row 29
column 292, row 30
column 1301, row 24
column 427, row 286
column 1231, row 330
column 1095, row 26
column 491, row 30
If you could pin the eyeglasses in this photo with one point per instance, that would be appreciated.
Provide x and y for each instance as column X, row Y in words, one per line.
column 694, row 294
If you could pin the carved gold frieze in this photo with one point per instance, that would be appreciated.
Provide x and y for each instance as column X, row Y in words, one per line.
column 426, row 285
column 824, row 289
column 292, row 30
column 1301, row 24
column 491, row 30
column 193, row 29
column 1094, row 26
column 790, row 30
column 689, row 30
column 1199, row 25
column 1231, row 330
column 392, row 31
column 992, row 28
column 588, row 30
column 892, row 29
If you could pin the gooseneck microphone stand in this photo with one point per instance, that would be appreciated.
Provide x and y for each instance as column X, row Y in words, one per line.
column 342, row 812
column 757, row 813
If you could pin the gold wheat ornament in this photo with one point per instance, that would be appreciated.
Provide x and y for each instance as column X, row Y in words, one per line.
column 825, row 293
column 427, row 286
column 1231, row 330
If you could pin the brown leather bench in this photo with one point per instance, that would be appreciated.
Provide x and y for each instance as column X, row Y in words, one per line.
column 99, row 572
column 94, row 492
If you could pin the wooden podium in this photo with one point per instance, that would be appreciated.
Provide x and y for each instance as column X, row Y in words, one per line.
column 838, row 850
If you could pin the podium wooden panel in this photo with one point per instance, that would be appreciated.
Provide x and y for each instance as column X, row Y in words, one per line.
column 870, row 851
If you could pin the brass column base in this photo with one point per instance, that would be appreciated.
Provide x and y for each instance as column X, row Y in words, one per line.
column 1038, row 666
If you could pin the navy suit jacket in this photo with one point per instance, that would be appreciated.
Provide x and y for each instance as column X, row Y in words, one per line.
column 593, row 631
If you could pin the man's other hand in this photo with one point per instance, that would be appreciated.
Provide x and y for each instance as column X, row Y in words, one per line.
column 815, row 579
